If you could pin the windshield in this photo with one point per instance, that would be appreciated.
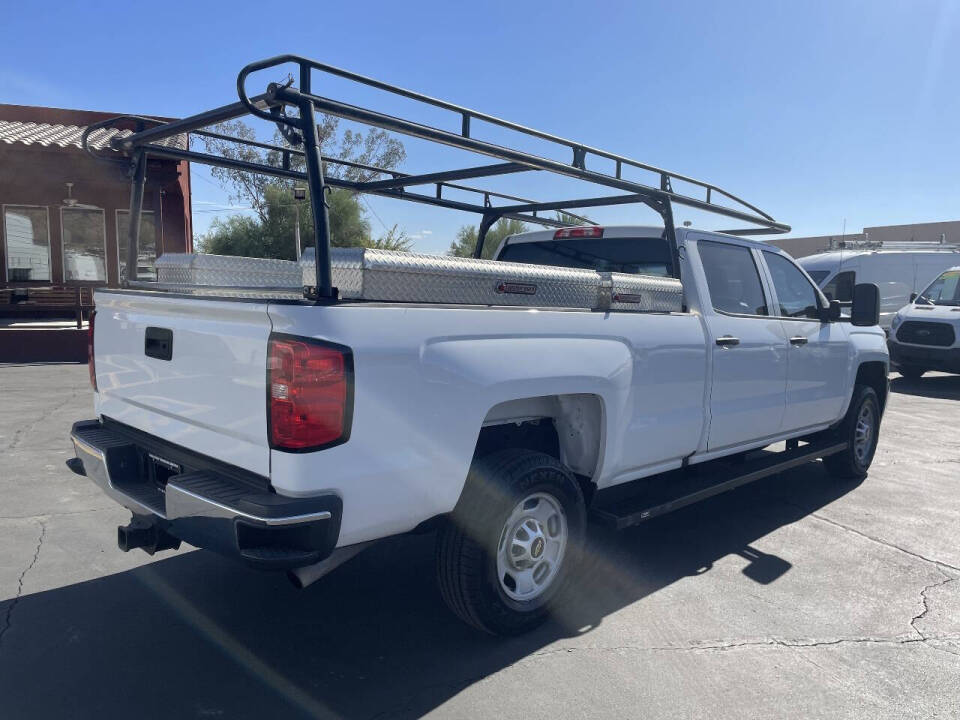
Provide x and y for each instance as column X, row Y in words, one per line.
column 640, row 256
column 818, row 276
column 945, row 290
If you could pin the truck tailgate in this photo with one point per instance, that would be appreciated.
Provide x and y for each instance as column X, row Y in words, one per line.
column 207, row 393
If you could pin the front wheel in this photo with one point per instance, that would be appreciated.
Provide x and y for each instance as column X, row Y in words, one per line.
column 861, row 429
column 512, row 541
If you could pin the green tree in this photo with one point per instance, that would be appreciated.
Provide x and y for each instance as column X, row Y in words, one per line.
column 572, row 219
column 271, row 231
column 466, row 240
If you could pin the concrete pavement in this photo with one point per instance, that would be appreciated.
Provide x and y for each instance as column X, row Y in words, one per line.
column 795, row 597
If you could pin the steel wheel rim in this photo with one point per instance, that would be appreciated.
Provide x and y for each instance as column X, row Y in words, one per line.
column 864, row 433
column 532, row 546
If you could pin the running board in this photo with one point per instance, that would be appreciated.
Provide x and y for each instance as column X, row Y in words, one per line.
column 632, row 503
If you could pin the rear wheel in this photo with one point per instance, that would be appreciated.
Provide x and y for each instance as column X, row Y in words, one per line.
column 911, row 372
column 512, row 541
column 860, row 428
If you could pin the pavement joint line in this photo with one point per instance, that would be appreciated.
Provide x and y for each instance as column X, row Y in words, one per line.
column 808, row 512
column 939, row 563
column 8, row 616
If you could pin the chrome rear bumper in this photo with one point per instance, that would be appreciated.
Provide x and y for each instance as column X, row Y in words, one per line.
column 205, row 507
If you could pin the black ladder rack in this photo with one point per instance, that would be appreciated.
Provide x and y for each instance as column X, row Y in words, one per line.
column 300, row 131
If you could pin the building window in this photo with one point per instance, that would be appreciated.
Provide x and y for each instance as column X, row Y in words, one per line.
column 27, row 231
column 84, row 245
column 146, row 247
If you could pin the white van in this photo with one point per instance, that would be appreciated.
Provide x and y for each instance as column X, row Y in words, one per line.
column 924, row 334
column 897, row 270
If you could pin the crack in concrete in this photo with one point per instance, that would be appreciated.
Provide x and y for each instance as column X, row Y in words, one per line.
column 735, row 645
column 23, row 432
column 8, row 616
column 42, row 516
column 408, row 705
column 940, row 566
column 926, row 605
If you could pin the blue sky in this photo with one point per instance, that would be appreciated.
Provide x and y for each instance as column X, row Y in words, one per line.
column 815, row 111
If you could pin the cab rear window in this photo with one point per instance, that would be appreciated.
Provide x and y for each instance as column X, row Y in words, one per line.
column 638, row 256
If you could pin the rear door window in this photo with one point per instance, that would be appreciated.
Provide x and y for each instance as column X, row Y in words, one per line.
column 732, row 279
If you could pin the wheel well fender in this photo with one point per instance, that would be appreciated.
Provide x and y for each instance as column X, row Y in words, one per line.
column 874, row 375
column 569, row 427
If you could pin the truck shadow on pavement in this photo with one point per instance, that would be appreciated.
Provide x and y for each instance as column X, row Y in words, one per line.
column 942, row 387
column 192, row 635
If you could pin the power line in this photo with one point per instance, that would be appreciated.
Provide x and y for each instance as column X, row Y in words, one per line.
column 374, row 213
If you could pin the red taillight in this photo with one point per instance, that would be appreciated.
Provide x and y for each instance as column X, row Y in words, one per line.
column 309, row 386
column 591, row 231
column 90, row 363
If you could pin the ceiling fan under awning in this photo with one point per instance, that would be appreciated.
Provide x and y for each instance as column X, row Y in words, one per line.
column 71, row 202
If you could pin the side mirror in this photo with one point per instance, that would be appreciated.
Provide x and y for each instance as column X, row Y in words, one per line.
column 866, row 305
column 831, row 313
column 913, row 296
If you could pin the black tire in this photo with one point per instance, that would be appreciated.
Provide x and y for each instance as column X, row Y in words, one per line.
column 467, row 544
column 853, row 463
column 911, row 372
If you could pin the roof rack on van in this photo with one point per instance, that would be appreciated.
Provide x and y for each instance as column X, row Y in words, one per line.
column 908, row 245
column 299, row 130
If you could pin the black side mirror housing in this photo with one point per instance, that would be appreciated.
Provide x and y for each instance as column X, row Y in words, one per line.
column 913, row 296
column 866, row 305
column 831, row 313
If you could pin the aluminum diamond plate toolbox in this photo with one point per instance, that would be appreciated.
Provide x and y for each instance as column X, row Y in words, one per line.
column 225, row 271
column 644, row 293
column 393, row 276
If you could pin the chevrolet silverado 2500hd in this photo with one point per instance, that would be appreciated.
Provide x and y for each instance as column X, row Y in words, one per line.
column 291, row 419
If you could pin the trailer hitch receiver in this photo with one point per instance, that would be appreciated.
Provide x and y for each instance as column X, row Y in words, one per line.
column 144, row 534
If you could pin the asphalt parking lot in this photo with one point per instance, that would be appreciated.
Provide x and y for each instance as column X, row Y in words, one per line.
column 795, row 597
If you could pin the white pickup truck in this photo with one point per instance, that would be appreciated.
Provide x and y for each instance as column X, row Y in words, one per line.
column 283, row 432
column 288, row 416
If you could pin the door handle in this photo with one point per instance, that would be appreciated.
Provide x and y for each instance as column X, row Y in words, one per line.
column 799, row 340
column 728, row 341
